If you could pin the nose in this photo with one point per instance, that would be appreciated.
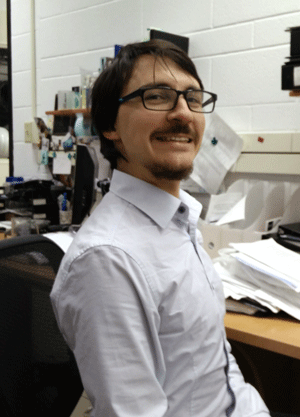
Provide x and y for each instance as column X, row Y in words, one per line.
column 181, row 111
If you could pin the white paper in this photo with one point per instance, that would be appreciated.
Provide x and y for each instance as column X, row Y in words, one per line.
column 280, row 279
column 62, row 239
column 242, row 281
column 235, row 287
column 214, row 160
column 221, row 204
column 272, row 254
column 6, row 224
column 62, row 164
column 230, row 206
column 236, row 213
column 254, row 203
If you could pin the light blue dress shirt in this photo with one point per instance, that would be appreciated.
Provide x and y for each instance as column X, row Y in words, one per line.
column 140, row 304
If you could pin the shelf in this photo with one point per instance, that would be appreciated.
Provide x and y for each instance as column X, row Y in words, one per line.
column 295, row 93
column 69, row 112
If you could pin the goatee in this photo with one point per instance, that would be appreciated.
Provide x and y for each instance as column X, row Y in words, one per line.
column 170, row 173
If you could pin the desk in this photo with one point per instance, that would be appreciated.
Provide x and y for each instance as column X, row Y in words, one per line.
column 268, row 352
column 279, row 335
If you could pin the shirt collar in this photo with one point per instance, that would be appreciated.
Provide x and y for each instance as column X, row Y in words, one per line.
column 159, row 205
column 194, row 206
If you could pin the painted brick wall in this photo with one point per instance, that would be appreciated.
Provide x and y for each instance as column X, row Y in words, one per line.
column 237, row 46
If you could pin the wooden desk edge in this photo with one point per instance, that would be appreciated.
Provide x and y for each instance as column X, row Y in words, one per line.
column 271, row 333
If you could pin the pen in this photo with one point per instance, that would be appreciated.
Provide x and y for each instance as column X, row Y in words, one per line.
column 64, row 202
column 290, row 237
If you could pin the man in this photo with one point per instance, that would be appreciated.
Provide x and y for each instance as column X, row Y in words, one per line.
column 136, row 297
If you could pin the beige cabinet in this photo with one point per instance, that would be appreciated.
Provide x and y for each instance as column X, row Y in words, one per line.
column 3, row 29
column 4, row 170
column 269, row 153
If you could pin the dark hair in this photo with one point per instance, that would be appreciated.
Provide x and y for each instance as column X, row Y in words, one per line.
column 111, row 82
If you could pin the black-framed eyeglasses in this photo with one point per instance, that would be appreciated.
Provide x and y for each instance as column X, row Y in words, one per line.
column 166, row 98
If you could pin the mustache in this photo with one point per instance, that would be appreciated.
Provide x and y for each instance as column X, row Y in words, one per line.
column 178, row 128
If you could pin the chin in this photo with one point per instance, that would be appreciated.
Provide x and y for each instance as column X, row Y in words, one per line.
column 171, row 173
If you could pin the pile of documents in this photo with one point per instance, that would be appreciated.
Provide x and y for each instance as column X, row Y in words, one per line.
column 263, row 271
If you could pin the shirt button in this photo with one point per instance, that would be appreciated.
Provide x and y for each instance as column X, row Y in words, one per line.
column 181, row 209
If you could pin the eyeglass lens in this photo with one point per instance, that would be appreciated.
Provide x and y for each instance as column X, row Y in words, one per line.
column 165, row 99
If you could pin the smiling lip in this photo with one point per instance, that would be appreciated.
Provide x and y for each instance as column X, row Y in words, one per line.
column 177, row 133
column 178, row 139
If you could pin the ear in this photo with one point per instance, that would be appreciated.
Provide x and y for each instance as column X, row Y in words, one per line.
column 111, row 135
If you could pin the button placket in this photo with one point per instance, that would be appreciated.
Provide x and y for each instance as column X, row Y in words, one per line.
column 196, row 244
column 181, row 217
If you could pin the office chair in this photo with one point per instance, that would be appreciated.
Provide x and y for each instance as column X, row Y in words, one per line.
column 38, row 372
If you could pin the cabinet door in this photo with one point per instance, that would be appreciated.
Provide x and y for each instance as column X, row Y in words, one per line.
column 4, row 170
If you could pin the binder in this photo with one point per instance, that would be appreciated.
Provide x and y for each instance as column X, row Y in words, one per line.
column 291, row 231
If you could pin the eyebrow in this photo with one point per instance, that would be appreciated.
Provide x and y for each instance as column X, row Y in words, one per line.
column 162, row 84
column 154, row 85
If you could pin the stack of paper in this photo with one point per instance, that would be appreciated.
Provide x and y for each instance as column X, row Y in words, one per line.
column 263, row 271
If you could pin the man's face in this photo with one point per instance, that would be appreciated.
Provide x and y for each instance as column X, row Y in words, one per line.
column 159, row 146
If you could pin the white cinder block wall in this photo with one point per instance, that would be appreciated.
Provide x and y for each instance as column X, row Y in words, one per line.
column 238, row 47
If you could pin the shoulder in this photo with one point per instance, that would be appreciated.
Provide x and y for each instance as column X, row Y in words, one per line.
column 103, row 272
column 114, row 240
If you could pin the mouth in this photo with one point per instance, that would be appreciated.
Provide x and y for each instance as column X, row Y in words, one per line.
column 178, row 139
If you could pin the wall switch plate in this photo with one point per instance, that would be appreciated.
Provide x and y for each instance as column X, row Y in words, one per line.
column 27, row 127
column 31, row 132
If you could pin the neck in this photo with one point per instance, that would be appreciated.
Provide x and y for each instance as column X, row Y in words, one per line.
column 171, row 186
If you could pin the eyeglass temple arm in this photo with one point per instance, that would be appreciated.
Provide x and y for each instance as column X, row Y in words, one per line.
column 130, row 96
column 212, row 99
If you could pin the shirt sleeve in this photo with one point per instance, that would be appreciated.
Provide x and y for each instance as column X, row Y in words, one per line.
column 248, row 401
column 109, row 319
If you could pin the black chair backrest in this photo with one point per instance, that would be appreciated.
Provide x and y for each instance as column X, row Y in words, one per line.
column 38, row 372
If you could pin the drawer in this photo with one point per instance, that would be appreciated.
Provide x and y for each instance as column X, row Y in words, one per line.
column 269, row 142
column 296, row 142
column 268, row 163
